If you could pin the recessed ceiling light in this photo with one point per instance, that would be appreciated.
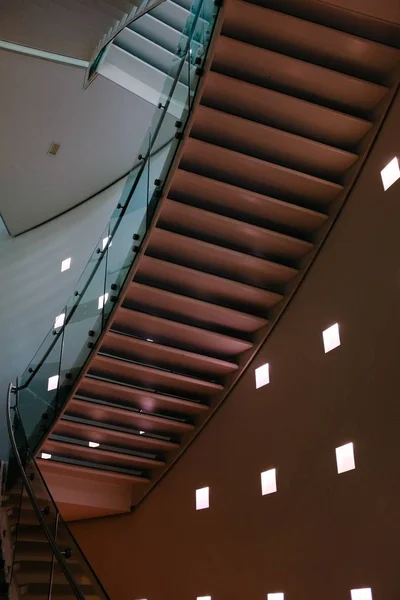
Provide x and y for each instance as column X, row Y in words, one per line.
column 45, row 456
column 141, row 432
column 106, row 241
column 331, row 338
column 65, row 265
column 276, row 596
column 94, row 444
column 53, row 148
column 390, row 174
column 203, row 598
column 149, row 340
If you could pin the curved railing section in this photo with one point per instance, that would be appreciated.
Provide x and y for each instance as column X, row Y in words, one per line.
column 63, row 565
column 48, row 380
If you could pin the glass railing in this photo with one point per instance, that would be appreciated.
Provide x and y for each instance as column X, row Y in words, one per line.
column 52, row 373
column 47, row 560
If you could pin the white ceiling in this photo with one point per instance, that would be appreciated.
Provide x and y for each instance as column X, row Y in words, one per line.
column 100, row 131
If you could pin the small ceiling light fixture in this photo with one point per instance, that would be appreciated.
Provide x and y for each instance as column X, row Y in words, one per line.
column 53, row 148
column 276, row 596
column 141, row 432
column 268, row 482
column 45, row 456
column 94, row 444
column 202, row 498
column 345, row 458
column 52, row 383
column 391, row 173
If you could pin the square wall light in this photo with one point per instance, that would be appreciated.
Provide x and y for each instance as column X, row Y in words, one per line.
column 102, row 301
column 390, row 174
column 65, row 265
column 59, row 321
column 331, row 338
column 202, row 498
column 345, row 458
column 262, row 375
column 52, row 383
column 361, row 594
column 268, row 482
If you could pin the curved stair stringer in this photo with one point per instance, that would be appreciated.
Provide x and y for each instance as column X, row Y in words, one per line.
column 197, row 316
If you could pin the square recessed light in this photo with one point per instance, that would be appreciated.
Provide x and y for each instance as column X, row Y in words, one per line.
column 345, row 458
column 331, row 338
column 59, row 321
column 52, row 383
column 361, row 594
column 202, row 498
column 102, row 300
column 45, row 456
column 203, row 598
column 276, row 596
column 262, row 375
column 65, row 265
column 268, row 482
column 94, row 444
column 391, row 173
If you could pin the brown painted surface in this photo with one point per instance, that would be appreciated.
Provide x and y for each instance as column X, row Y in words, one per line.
column 321, row 534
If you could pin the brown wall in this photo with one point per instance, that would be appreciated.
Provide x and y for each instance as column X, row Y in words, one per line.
column 322, row 533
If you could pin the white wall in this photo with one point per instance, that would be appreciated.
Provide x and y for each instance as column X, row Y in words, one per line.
column 32, row 287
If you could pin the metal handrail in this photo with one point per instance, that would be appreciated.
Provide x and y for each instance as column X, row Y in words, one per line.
column 60, row 558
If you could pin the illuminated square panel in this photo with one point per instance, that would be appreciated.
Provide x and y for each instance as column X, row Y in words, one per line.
column 202, row 498
column 65, row 265
column 276, row 596
column 262, row 375
column 345, row 458
column 361, row 594
column 331, row 338
column 268, row 482
column 390, row 174
column 52, row 383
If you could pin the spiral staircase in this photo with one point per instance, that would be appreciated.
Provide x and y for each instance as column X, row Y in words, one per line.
column 288, row 100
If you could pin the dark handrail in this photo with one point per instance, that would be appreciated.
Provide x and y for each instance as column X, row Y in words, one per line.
column 35, row 506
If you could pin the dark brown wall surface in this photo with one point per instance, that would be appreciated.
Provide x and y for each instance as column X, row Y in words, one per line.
column 321, row 534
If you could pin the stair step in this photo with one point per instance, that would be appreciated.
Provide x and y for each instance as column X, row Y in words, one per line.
column 296, row 77
column 280, row 110
column 258, row 175
column 230, row 233
column 153, row 271
column 217, row 260
column 120, row 416
column 238, row 203
column 76, row 449
column 148, row 376
column 108, row 391
column 112, row 435
column 271, row 144
column 191, row 311
column 165, row 356
column 309, row 41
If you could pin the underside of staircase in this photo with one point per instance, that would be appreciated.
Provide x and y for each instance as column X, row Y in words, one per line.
column 67, row 27
column 291, row 98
